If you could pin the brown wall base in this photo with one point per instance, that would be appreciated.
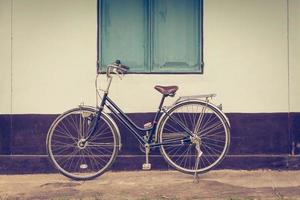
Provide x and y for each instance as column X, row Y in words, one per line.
column 21, row 164
column 258, row 140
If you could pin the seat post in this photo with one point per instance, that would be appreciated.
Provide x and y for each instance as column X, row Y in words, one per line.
column 162, row 101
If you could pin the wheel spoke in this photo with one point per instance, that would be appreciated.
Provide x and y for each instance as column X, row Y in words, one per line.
column 76, row 157
column 209, row 125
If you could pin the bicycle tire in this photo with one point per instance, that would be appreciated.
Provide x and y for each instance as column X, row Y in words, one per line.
column 66, row 135
column 183, row 156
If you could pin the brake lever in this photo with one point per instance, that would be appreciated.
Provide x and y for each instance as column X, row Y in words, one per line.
column 124, row 67
column 120, row 75
column 118, row 72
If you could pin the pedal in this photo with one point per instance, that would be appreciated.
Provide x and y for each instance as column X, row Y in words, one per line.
column 148, row 125
column 146, row 166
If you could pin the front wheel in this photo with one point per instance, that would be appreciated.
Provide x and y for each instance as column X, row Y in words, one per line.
column 195, row 136
column 75, row 156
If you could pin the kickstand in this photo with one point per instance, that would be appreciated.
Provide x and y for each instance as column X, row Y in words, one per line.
column 196, row 177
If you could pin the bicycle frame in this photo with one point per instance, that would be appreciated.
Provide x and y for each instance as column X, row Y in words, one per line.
column 135, row 129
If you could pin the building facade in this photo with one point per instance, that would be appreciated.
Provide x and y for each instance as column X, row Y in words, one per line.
column 251, row 56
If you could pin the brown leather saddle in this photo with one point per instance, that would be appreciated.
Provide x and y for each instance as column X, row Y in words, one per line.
column 167, row 90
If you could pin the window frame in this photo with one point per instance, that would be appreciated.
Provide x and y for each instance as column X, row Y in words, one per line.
column 201, row 46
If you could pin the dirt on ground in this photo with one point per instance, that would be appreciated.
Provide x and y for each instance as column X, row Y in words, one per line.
column 156, row 185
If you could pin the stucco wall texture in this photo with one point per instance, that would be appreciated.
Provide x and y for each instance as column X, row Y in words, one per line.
column 48, row 56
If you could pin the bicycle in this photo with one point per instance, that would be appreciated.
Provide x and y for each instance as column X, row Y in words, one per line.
column 193, row 134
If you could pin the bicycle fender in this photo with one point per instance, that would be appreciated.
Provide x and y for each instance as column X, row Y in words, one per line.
column 190, row 100
column 205, row 102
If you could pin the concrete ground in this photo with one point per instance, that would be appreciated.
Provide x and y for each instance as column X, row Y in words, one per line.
column 156, row 185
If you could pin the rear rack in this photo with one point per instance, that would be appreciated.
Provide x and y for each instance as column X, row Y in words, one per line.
column 201, row 96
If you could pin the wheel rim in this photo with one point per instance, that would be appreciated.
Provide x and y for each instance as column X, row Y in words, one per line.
column 72, row 154
column 203, row 121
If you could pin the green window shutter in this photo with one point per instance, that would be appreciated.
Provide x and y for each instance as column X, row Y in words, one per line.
column 151, row 35
column 124, row 33
column 175, row 35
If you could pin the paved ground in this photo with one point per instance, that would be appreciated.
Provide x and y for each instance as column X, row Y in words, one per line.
column 156, row 185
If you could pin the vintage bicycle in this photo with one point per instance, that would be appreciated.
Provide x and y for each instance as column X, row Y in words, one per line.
column 193, row 134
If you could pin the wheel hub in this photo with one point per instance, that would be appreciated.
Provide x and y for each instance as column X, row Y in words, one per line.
column 195, row 139
column 82, row 143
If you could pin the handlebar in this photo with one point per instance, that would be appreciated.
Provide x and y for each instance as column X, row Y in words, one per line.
column 118, row 62
column 116, row 68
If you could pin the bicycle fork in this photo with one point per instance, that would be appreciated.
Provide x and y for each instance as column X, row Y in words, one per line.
column 83, row 140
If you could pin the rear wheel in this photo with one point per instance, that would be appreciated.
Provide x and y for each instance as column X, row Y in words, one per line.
column 209, row 132
column 73, row 155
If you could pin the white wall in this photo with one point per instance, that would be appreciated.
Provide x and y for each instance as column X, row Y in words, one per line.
column 246, row 53
column 5, row 56
column 54, row 56
column 294, row 9
column 54, row 51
